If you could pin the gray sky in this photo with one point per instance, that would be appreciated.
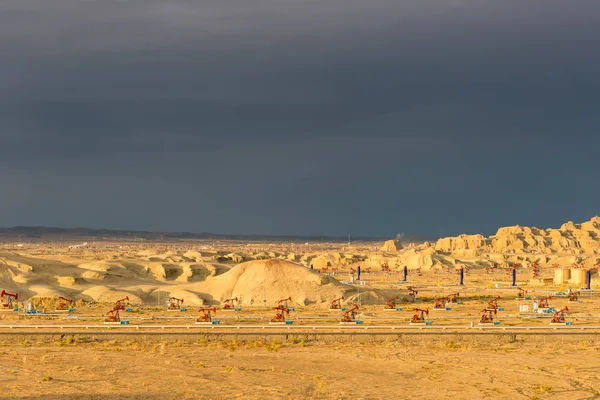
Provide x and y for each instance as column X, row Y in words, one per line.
column 299, row 116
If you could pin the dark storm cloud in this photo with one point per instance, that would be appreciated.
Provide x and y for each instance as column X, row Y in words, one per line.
column 298, row 116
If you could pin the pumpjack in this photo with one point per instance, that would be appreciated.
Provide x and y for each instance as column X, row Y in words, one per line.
column 336, row 304
column 206, row 316
column 349, row 317
column 419, row 317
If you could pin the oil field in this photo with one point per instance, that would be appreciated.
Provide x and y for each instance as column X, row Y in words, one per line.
column 510, row 309
column 299, row 199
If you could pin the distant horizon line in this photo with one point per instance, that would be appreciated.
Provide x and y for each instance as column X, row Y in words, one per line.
column 181, row 234
column 199, row 235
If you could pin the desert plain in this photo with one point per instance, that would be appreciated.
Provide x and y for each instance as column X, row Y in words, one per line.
column 273, row 332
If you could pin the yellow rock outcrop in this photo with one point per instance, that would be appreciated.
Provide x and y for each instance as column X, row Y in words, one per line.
column 392, row 246
column 570, row 238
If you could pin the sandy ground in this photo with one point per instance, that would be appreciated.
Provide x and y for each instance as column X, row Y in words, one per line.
column 566, row 368
column 449, row 367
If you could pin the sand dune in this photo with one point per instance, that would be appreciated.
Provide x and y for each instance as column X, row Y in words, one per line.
column 272, row 280
column 199, row 283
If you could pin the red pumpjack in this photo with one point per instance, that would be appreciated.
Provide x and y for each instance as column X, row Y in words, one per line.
column 206, row 316
column 113, row 316
column 488, row 316
column 419, row 317
column 535, row 271
column 281, row 312
column 574, row 297
column 7, row 303
column 336, row 304
column 558, row 318
column 174, row 304
column 349, row 316
column 229, row 304
column 391, row 303
column 454, row 297
column 521, row 294
column 543, row 303
column 440, row 303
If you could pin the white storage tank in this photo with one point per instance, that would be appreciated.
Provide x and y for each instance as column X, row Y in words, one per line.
column 578, row 276
column 561, row 275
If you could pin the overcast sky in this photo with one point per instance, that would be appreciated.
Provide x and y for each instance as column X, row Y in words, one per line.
column 299, row 116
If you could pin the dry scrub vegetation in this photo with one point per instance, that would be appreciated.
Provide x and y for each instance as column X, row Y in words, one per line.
column 500, row 367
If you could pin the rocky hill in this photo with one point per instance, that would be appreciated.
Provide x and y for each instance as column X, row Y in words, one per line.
column 570, row 238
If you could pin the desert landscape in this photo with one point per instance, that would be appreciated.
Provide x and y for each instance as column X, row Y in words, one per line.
column 468, row 316
column 299, row 199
